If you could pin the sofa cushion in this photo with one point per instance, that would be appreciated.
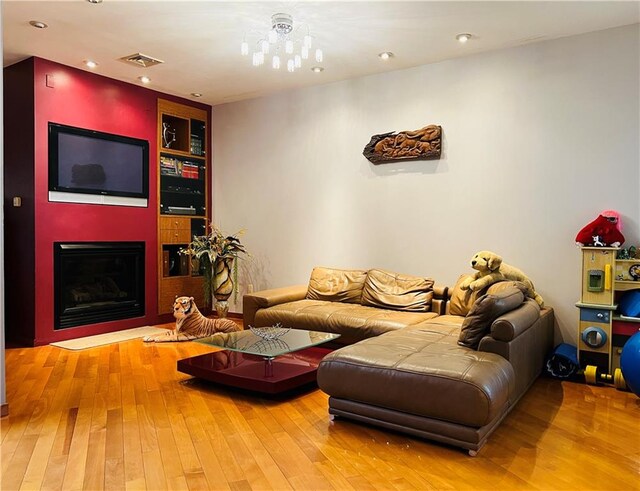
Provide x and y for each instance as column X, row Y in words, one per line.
column 336, row 285
column 395, row 291
column 461, row 300
column 421, row 371
column 484, row 311
column 352, row 322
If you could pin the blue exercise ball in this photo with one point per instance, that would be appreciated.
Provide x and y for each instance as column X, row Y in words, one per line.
column 630, row 363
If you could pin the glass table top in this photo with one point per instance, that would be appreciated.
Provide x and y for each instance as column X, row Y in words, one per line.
column 248, row 342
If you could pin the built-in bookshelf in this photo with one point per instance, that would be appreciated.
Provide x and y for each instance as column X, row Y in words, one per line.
column 182, row 196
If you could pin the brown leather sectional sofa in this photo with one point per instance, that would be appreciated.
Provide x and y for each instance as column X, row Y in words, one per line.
column 441, row 364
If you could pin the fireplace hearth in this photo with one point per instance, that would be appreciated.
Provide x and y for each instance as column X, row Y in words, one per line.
column 97, row 282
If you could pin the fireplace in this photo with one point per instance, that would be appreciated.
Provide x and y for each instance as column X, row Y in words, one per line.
column 97, row 282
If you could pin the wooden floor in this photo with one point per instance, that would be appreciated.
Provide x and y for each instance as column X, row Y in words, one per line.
column 121, row 416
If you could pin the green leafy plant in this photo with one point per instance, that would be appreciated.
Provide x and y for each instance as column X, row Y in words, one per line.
column 213, row 247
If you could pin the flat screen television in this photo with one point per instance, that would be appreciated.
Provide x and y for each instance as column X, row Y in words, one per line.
column 92, row 162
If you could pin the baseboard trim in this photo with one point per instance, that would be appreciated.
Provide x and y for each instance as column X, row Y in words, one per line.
column 4, row 410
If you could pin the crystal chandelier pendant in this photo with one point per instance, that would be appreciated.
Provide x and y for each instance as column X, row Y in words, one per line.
column 291, row 67
column 275, row 62
column 288, row 46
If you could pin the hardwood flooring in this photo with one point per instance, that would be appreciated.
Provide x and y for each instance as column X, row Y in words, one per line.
column 121, row 417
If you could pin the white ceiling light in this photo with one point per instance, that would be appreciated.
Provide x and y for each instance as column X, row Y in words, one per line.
column 317, row 69
column 196, row 94
column 463, row 38
column 284, row 40
column 94, row 1
column 385, row 55
column 144, row 79
column 90, row 63
column 38, row 24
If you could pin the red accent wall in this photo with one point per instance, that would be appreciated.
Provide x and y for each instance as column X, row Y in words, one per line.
column 87, row 100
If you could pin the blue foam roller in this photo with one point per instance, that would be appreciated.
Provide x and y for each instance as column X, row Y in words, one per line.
column 563, row 361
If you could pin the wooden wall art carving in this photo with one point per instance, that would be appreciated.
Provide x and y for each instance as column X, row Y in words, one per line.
column 420, row 144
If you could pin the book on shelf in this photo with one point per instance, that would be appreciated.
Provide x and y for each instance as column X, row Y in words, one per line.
column 190, row 171
column 168, row 166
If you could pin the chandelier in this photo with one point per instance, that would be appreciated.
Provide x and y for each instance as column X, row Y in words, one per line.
column 283, row 42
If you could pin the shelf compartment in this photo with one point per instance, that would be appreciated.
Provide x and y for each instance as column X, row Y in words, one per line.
column 198, row 137
column 174, row 133
column 182, row 186
column 179, row 167
column 174, row 263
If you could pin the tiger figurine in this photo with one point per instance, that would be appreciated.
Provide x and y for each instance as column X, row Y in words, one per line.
column 191, row 324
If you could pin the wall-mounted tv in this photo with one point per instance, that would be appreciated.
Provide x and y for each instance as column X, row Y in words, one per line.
column 91, row 162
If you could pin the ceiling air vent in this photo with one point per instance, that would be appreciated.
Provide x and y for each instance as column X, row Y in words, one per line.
column 139, row 59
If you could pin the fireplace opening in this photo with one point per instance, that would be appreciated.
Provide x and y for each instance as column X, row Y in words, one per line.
column 97, row 282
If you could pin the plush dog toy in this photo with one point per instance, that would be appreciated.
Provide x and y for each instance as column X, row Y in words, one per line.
column 491, row 269
column 606, row 230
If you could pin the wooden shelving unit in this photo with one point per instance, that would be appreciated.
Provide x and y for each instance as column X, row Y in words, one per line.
column 183, row 190
column 602, row 331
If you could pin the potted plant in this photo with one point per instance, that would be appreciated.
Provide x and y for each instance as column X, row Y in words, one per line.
column 217, row 256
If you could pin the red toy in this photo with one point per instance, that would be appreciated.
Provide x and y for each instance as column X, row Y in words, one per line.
column 604, row 231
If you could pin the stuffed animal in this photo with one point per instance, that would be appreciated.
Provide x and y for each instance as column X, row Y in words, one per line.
column 191, row 324
column 490, row 269
column 606, row 230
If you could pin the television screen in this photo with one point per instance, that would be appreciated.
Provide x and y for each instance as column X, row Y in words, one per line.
column 91, row 162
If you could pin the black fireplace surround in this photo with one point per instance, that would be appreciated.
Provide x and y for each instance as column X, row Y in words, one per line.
column 97, row 282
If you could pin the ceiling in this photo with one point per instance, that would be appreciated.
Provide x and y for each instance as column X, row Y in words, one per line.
column 199, row 41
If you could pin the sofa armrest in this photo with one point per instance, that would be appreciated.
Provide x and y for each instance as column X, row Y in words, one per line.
column 252, row 302
column 527, row 348
column 512, row 324
column 440, row 300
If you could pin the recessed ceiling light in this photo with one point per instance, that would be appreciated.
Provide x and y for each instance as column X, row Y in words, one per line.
column 196, row 94
column 90, row 63
column 38, row 24
column 385, row 55
column 464, row 37
column 94, row 1
column 317, row 69
column 144, row 79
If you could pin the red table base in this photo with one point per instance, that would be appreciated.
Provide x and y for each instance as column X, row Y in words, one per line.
column 251, row 372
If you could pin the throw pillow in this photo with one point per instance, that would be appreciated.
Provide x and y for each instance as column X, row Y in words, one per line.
column 461, row 300
column 484, row 311
column 336, row 285
column 503, row 285
column 397, row 292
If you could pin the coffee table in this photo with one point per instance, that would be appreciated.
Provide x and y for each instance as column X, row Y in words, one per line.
column 262, row 365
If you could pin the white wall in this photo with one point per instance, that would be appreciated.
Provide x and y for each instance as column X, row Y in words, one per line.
column 537, row 141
